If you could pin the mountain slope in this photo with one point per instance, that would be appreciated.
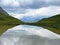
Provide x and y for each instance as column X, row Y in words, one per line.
column 51, row 23
column 5, row 18
column 6, row 21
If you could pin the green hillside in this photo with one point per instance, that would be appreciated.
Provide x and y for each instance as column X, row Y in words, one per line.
column 6, row 21
column 5, row 18
column 51, row 23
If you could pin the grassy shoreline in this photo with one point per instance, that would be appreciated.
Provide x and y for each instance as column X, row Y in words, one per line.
column 49, row 27
column 57, row 31
column 4, row 28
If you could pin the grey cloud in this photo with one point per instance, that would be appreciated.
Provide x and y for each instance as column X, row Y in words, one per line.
column 55, row 3
column 43, row 3
column 37, row 3
column 33, row 4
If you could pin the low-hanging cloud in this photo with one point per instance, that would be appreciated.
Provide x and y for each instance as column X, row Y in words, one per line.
column 31, row 8
column 36, row 13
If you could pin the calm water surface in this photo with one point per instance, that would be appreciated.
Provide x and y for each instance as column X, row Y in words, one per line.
column 29, row 35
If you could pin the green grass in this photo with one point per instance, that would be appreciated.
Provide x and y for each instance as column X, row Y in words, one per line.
column 4, row 28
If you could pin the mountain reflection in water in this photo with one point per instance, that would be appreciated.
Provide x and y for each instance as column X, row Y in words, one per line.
column 29, row 35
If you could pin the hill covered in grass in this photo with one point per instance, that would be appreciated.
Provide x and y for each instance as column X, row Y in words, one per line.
column 6, row 21
column 51, row 23
column 5, row 18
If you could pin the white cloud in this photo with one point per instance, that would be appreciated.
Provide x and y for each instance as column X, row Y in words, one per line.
column 50, row 11
column 26, row 2
column 32, row 8
column 10, row 3
column 45, row 11
column 29, row 3
column 15, row 3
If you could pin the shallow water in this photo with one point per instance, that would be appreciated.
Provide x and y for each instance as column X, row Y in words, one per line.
column 29, row 35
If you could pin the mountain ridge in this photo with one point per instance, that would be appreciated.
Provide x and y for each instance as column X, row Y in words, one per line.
column 51, row 23
column 7, row 21
column 4, row 16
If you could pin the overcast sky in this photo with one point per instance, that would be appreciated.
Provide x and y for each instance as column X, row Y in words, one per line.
column 31, row 8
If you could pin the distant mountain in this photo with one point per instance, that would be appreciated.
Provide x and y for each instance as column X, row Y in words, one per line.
column 5, row 18
column 32, row 19
column 51, row 23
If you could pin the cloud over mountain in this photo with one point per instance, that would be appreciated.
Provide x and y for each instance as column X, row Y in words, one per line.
column 21, row 8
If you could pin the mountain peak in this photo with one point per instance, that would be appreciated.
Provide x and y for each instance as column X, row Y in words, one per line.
column 0, row 8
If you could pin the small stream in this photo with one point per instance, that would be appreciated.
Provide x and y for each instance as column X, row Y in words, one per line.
column 29, row 35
